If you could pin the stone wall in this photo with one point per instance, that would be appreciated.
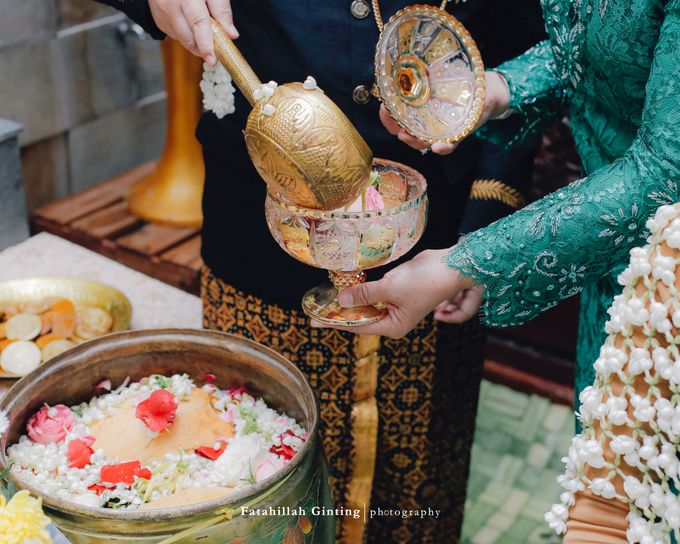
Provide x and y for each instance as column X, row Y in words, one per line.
column 13, row 222
column 87, row 90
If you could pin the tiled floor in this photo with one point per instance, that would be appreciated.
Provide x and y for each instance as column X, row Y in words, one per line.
column 516, row 454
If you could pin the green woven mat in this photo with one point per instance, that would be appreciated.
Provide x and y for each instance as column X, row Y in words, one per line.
column 519, row 440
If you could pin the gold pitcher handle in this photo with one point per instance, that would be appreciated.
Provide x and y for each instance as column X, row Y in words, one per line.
column 237, row 66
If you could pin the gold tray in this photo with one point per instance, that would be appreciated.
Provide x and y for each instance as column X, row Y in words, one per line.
column 76, row 290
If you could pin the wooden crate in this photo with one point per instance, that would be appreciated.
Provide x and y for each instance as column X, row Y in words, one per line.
column 98, row 219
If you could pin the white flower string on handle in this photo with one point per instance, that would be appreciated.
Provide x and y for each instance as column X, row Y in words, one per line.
column 631, row 414
column 218, row 91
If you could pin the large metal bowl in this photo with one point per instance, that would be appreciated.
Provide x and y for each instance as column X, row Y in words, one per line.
column 303, row 483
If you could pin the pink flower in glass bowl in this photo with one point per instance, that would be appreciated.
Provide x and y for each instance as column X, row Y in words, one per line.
column 370, row 201
column 50, row 424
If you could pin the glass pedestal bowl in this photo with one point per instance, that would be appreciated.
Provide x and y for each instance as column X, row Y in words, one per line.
column 348, row 242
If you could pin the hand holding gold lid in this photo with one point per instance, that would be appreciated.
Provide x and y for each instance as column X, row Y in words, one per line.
column 429, row 74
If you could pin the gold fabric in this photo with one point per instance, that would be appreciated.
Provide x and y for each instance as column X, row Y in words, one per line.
column 397, row 416
column 493, row 189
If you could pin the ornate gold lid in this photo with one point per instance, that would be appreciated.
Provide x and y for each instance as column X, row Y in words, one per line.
column 429, row 74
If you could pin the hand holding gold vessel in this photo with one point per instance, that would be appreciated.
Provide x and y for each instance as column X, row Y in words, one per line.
column 300, row 142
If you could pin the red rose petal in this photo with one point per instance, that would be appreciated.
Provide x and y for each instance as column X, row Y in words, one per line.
column 124, row 473
column 211, row 453
column 98, row 489
column 234, row 391
column 145, row 474
column 282, row 449
column 210, row 377
column 79, row 454
column 158, row 411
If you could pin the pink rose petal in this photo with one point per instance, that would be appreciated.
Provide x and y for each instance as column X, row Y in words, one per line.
column 50, row 424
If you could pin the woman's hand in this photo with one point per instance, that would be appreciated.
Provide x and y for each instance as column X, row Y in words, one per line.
column 462, row 307
column 496, row 103
column 188, row 21
column 410, row 291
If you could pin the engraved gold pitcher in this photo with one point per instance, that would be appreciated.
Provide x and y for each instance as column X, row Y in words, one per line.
column 300, row 142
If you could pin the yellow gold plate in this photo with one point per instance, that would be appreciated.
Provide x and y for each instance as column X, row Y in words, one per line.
column 78, row 291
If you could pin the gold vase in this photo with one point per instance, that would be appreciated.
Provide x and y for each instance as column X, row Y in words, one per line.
column 172, row 193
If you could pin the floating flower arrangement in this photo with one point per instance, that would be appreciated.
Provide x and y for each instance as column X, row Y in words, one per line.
column 157, row 443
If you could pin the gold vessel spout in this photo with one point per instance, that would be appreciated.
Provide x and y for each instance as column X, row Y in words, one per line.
column 300, row 142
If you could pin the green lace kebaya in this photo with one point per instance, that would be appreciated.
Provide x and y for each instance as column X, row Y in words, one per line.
column 612, row 66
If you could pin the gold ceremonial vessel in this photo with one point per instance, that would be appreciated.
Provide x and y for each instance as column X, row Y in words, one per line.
column 301, row 485
column 300, row 142
column 429, row 74
column 348, row 242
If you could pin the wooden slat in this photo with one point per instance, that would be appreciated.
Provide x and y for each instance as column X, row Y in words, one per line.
column 98, row 219
column 527, row 383
column 528, row 358
column 153, row 239
column 70, row 208
column 186, row 254
column 108, row 222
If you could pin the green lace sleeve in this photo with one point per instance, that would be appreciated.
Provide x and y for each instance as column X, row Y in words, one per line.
column 538, row 256
column 536, row 97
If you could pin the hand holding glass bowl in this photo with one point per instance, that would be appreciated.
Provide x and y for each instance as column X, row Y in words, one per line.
column 346, row 242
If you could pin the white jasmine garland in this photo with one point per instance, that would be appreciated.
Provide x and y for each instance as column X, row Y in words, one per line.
column 218, row 92
column 624, row 445
column 4, row 423
column 672, row 234
column 603, row 487
column 556, row 518
column 646, row 456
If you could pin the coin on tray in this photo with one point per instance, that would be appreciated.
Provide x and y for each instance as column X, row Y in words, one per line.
column 23, row 327
column 56, row 347
column 45, row 339
column 36, row 307
column 20, row 358
column 92, row 322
